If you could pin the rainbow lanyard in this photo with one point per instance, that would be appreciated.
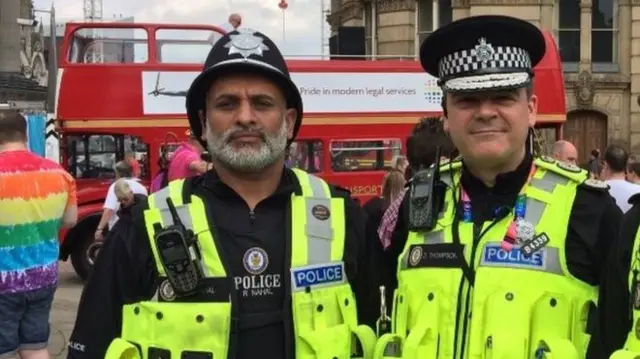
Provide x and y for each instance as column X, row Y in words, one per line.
column 520, row 208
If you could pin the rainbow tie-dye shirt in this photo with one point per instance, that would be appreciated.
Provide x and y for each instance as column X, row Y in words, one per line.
column 34, row 193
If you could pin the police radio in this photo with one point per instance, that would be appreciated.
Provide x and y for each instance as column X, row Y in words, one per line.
column 181, row 262
column 426, row 196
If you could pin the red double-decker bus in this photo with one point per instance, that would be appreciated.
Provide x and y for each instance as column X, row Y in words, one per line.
column 121, row 88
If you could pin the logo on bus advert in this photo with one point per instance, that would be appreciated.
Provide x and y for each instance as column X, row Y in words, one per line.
column 432, row 92
column 317, row 275
column 494, row 255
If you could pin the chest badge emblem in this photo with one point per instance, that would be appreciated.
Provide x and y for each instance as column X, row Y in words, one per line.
column 166, row 291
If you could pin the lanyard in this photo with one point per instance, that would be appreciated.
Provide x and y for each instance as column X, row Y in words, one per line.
column 518, row 226
column 520, row 208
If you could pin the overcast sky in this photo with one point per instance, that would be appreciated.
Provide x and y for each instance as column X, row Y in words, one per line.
column 303, row 17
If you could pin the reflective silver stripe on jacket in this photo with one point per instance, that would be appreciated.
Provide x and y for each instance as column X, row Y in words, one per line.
column 160, row 202
column 319, row 232
column 535, row 210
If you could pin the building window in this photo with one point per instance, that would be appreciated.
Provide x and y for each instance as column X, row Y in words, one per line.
column 604, row 35
column 445, row 12
column 368, row 27
column 425, row 18
column 424, row 12
column 569, row 33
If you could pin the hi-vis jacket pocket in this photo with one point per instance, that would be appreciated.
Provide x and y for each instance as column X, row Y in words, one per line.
column 522, row 325
column 422, row 340
column 327, row 327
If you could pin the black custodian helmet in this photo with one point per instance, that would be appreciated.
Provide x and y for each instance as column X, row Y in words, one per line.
column 242, row 51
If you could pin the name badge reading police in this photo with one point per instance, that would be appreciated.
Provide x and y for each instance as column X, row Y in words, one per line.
column 495, row 256
column 317, row 275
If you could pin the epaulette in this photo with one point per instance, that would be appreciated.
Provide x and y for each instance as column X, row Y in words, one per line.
column 595, row 185
column 563, row 169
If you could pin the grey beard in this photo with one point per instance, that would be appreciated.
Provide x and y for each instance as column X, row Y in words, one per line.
column 247, row 159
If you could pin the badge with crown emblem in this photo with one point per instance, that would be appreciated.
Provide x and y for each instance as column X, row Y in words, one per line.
column 255, row 260
column 246, row 43
column 415, row 256
column 484, row 51
column 166, row 291
column 525, row 231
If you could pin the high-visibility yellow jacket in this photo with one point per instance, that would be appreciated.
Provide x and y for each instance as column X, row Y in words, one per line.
column 516, row 306
column 323, row 304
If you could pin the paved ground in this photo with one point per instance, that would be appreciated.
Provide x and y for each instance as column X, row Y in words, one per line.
column 63, row 314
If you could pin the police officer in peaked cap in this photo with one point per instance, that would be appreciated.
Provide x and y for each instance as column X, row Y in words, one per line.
column 499, row 253
column 250, row 260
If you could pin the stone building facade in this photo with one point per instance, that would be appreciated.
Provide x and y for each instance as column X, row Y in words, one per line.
column 23, row 73
column 599, row 42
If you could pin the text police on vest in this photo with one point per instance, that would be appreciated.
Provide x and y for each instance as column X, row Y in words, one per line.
column 316, row 275
column 257, row 285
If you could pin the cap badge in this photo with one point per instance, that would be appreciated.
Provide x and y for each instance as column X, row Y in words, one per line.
column 246, row 43
column 484, row 51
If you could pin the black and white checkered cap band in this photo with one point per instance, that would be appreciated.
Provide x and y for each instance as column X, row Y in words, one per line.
column 467, row 61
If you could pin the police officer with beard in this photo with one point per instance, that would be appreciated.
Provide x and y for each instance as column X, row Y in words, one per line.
column 250, row 260
column 499, row 254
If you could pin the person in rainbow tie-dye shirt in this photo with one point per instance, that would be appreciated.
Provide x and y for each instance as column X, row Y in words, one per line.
column 37, row 198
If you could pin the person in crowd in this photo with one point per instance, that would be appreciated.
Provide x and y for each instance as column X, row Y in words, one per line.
column 111, row 205
column 233, row 23
column 594, row 165
column 619, row 300
column 126, row 196
column 633, row 173
column 126, row 199
column 37, row 199
column 274, row 257
column 392, row 189
column 614, row 174
column 565, row 151
column 399, row 163
column 426, row 136
column 187, row 160
column 130, row 158
column 518, row 239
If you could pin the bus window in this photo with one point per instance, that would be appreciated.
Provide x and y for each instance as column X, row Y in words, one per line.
column 364, row 155
column 111, row 46
column 94, row 156
column 306, row 155
column 184, row 46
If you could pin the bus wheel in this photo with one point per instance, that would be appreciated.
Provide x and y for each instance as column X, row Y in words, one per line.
column 82, row 263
